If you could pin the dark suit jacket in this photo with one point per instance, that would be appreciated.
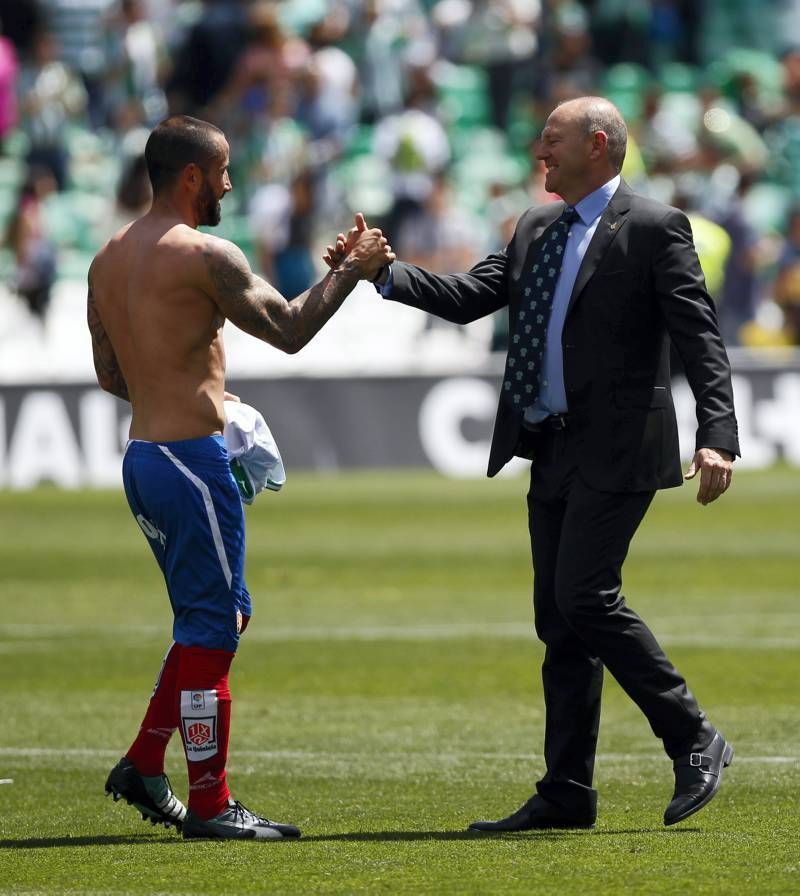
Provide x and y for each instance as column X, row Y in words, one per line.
column 639, row 286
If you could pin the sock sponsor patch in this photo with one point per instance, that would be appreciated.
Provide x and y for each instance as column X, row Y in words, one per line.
column 199, row 724
column 208, row 781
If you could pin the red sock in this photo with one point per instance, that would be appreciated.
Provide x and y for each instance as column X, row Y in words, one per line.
column 160, row 720
column 205, row 713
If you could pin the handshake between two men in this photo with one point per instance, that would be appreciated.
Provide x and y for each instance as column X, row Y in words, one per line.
column 369, row 247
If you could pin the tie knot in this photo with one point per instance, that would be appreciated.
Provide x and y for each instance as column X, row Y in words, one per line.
column 569, row 215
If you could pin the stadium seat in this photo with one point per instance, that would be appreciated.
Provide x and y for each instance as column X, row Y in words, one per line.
column 475, row 174
column 523, row 126
column 625, row 84
column 360, row 142
column 75, row 219
column 463, row 95
column 63, row 220
column 784, row 162
column 16, row 144
column 73, row 265
column 739, row 62
column 474, row 141
column 236, row 228
column 7, row 265
column 676, row 77
column 366, row 181
column 8, row 202
column 12, row 170
column 766, row 206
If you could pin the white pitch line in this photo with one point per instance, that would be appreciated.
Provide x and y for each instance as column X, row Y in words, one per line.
column 91, row 753
column 6, row 780
column 27, row 634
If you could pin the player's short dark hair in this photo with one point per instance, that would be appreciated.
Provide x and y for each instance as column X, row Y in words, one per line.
column 177, row 142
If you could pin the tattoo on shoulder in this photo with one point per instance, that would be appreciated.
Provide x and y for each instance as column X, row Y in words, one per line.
column 228, row 268
column 248, row 301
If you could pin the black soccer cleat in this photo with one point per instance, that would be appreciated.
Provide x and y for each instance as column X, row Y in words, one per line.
column 237, row 823
column 153, row 797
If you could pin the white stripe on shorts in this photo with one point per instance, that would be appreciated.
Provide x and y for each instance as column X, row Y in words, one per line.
column 210, row 512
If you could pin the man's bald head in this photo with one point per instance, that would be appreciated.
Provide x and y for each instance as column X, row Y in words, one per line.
column 595, row 113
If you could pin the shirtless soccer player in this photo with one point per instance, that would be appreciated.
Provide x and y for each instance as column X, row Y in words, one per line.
column 159, row 294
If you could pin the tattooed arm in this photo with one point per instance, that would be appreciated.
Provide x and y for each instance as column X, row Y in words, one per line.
column 260, row 310
column 109, row 375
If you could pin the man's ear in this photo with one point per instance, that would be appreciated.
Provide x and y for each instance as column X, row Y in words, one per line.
column 192, row 176
column 599, row 142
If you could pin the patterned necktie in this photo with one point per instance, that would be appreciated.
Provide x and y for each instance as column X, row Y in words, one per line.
column 526, row 350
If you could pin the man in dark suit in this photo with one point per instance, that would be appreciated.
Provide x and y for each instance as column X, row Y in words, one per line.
column 596, row 288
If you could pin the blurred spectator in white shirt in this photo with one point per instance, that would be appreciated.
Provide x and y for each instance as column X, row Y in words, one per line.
column 51, row 96
column 135, row 65
column 79, row 30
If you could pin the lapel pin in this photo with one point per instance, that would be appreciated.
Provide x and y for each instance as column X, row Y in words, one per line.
column 612, row 225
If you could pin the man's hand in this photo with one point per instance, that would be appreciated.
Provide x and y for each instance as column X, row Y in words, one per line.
column 366, row 247
column 334, row 255
column 716, row 471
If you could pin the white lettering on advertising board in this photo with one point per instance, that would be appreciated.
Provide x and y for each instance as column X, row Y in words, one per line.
column 765, row 426
column 42, row 443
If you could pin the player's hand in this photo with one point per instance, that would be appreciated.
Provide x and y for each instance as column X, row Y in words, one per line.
column 715, row 467
column 334, row 255
column 367, row 248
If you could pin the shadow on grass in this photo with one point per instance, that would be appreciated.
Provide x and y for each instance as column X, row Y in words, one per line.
column 349, row 837
column 372, row 836
column 104, row 840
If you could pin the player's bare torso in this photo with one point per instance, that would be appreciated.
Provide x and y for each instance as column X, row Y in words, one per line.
column 165, row 331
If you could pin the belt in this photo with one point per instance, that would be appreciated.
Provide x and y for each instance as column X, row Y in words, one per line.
column 553, row 423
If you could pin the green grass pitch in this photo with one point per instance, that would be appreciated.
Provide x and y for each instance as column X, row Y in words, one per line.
column 387, row 693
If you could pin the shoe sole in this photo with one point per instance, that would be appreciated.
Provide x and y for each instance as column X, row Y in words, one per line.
column 727, row 759
column 207, row 835
column 146, row 812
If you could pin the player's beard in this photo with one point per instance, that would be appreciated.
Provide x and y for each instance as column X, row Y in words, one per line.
column 209, row 211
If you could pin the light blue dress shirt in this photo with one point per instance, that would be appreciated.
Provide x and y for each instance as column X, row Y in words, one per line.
column 552, row 392
column 552, row 397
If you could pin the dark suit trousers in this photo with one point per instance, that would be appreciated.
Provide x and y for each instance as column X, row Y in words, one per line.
column 579, row 540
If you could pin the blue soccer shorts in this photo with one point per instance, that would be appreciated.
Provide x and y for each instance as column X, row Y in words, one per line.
column 186, row 501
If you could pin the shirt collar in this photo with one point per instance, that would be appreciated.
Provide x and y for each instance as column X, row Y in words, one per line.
column 593, row 205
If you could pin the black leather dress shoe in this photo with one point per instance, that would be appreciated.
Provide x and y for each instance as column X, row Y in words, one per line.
column 537, row 813
column 697, row 779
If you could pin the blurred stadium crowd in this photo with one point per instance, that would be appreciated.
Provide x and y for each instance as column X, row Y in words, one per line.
column 420, row 113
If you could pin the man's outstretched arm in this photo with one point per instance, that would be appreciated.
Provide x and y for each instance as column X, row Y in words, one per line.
column 259, row 309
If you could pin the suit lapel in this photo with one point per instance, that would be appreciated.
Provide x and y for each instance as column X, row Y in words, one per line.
column 611, row 222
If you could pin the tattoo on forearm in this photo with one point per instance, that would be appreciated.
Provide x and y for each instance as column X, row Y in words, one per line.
column 316, row 307
column 109, row 376
column 258, row 308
